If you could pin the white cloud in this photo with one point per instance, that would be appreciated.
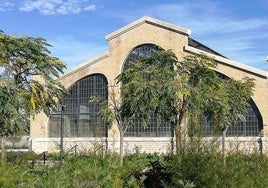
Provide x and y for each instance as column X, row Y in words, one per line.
column 43, row 6
column 5, row 5
column 205, row 17
column 69, row 7
column 51, row 7
column 90, row 8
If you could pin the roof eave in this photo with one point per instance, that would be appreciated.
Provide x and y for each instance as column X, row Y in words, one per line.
column 229, row 62
column 85, row 64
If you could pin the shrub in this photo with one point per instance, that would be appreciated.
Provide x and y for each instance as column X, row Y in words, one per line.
column 196, row 168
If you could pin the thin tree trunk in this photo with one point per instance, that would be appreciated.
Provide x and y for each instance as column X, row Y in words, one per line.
column 3, row 151
column 177, row 139
column 223, row 146
column 121, row 149
column 178, row 128
column 179, row 143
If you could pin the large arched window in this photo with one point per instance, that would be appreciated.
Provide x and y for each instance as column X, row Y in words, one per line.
column 80, row 116
column 154, row 127
column 250, row 126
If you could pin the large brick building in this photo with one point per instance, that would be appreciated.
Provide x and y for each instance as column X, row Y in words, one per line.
column 80, row 119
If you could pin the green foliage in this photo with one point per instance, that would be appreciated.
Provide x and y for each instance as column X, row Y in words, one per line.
column 9, row 175
column 12, row 119
column 146, row 84
column 169, row 88
column 205, row 170
column 200, row 166
column 175, row 90
column 238, row 95
column 229, row 102
column 28, row 81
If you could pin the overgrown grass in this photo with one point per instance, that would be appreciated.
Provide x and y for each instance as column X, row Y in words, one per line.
column 201, row 168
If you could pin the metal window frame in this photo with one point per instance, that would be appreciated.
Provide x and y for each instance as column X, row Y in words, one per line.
column 81, row 118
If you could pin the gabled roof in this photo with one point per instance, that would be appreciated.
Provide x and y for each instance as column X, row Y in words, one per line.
column 193, row 47
column 148, row 20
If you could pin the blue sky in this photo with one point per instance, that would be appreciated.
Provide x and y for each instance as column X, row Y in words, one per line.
column 238, row 29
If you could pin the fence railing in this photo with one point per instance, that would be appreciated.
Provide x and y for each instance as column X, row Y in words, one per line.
column 42, row 156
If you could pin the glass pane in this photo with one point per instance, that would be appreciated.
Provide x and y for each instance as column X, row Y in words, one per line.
column 80, row 117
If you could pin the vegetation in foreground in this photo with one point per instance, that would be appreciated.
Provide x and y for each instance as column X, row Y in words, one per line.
column 194, row 169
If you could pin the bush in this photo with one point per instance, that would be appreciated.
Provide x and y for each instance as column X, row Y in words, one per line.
column 207, row 170
column 196, row 168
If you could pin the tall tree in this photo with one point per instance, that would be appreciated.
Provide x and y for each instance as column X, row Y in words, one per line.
column 176, row 90
column 229, row 105
column 163, row 85
column 22, row 59
column 11, row 120
column 28, row 80
column 112, row 110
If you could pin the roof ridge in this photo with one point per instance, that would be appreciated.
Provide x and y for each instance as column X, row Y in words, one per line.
column 149, row 20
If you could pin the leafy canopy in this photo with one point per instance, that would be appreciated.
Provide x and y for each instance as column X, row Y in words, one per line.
column 176, row 89
column 28, row 79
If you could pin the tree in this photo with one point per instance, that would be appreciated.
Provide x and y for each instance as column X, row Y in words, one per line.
column 176, row 90
column 28, row 80
column 111, row 111
column 11, row 119
column 22, row 59
column 162, row 85
column 229, row 105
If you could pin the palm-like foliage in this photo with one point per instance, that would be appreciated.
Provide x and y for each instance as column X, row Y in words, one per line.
column 28, row 81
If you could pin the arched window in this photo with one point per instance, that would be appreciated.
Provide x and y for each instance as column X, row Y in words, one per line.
column 80, row 116
column 155, row 128
column 250, row 126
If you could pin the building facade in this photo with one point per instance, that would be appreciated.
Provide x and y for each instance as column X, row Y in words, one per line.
column 81, row 123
